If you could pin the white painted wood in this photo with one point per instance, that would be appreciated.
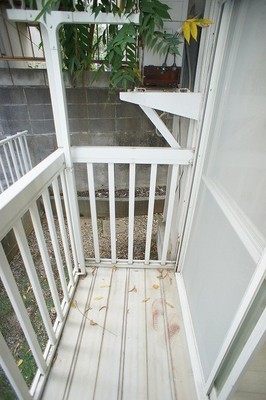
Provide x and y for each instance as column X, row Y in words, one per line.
column 109, row 366
column 19, row 159
column 111, row 186
column 126, row 155
column 12, row 372
column 25, row 155
column 62, row 227
column 184, row 104
column 153, row 175
column 135, row 378
column 45, row 259
column 69, row 221
column 86, row 365
column 20, row 310
column 10, row 169
column 156, row 340
column 254, row 342
column 61, row 17
column 131, row 210
column 160, row 125
column 170, row 209
column 52, row 231
column 4, row 171
column 15, row 202
column 13, row 158
column 93, row 212
column 33, row 277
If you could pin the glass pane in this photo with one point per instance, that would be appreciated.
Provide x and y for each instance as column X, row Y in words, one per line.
column 217, row 272
column 238, row 159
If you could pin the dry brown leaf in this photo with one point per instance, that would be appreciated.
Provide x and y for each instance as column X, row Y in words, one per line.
column 170, row 305
column 98, row 298
column 19, row 362
column 134, row 289
column 93, row 323
column 155, row 286
column 145, row 300
column 102, row 308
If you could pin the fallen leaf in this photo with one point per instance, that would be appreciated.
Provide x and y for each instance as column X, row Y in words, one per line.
column 98, row 298
column 29, row 288
column 73, row 305
column 114, row 268
column 19, row 362
column 134, row 289
column 87, row 309
column 102, row 308
column 93, row 323
column 170, row 305
column 155, row 286
column 146, row 299
column 105, row 286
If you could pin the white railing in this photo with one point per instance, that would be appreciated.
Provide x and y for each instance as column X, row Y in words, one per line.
column 31, row 196
column 15, row 159
column 112, row 156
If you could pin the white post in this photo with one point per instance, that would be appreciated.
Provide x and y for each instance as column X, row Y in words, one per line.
column 58, row 97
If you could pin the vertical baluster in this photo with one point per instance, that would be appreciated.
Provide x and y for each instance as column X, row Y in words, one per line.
column 62, row 227
column 21, row 168
column 111, row 182
column 20, row 310
column 45, row 258
column 131, row 209
column 13, row 157
column 4, row 171
column 8, row 163
column 150, row 212
column 26, row 149
column 1, row 186
column 21, row 141
column 52, row 230
column 33, row 277
column 69, row 220
column 12, row 372
column 93, row 212
column 170, row 209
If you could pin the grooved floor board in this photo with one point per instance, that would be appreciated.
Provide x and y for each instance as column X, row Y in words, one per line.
column 123, row 340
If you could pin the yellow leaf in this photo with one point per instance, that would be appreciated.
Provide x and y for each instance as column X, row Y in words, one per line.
column 194, row 30
column 145, row 300
column 98, row 298
column 73, row 305
column 170, row 305
column 186, row 31
column 155, row 286
column 114, row 268
column 134, row 289
column 19, row 362
column 204, row 22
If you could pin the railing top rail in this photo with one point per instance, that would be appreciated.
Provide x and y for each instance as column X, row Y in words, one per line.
column 9, row 138
column 127, row 155
column 15, row 201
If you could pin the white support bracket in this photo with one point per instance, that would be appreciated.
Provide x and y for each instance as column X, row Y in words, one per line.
column 160, row 125
column 183, row 104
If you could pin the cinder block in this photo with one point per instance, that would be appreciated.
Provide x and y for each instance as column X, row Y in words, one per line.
column 10, row 96
column 126, row 110
column 37, row 95
column 38, row 112
column 5, row 78
column 76, row 95
column 101, row 110
column 14, row 113
column 77, row 111
column 101, row 125
column 26, row 77
column 78, row 125
column 43, row 126
column 96, row 96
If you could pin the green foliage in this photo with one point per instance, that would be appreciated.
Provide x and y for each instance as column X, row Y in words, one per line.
column 79, row 43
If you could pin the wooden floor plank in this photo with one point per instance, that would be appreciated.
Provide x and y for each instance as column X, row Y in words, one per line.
column 107, row 382
column 123, row 340
column 158, row 365
column 134, row 384
column 180, row 362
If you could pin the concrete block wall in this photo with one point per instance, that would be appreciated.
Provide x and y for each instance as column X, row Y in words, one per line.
column 95, row 118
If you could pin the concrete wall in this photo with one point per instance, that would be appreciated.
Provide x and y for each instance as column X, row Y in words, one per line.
column 95, row 118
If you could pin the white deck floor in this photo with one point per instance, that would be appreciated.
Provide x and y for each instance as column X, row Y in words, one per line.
column 124, row 339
